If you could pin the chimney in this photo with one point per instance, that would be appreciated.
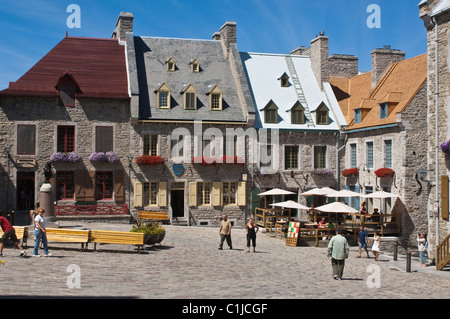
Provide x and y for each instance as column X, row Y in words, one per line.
column 319, row 57
column 216, row 36
column 228, row 35
column 382, row 59
column 124, row 24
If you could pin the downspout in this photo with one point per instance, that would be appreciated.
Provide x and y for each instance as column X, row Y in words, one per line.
column 436, row 84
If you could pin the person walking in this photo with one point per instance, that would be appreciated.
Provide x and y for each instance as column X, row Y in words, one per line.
column 225, row 232
column 251, row 229
column 338, row 250
column 421, row 240
column 9, row 232
column 363, row 239
column 376, row 245
column 40, row 233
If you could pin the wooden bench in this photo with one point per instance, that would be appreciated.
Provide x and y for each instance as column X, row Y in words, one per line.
column 66, row 235
column 21, row 234
column 116, row 237
column 156, row 216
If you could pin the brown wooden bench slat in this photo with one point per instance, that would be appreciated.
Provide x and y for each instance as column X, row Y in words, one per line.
column 153, row 215
column 21, row 234
column 65, row 235
column 116, row 237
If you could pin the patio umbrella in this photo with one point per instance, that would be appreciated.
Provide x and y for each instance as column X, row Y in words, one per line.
column 290, row 204
column 380, row 194
column 276, row 191
column 344, row 193
column 318, row 191
column 336, row 207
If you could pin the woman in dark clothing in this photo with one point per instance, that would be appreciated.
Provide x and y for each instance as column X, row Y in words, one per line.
column 251, row 229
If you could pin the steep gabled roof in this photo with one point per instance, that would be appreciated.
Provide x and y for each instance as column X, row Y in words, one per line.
column 97, row 65
column 151, row 53
column 263, row 72
column 398, row 87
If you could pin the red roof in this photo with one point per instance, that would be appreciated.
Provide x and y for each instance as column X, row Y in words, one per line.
column 97, row 65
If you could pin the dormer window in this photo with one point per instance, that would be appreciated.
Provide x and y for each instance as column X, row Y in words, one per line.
column 297, row 114
column 190, row 97
column 322, row 117
column 163, row 96
column 170, row 64
column 215, row 98
column 383, row 110
column 357, row 116
column 271, row 113
column 67, row 87
column 284, row 80
column 195, row 66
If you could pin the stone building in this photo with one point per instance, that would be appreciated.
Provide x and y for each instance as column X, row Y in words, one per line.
column 436, row 17
column 386, row 112
column 190, row 107
column 307, row 120
column 67, row 110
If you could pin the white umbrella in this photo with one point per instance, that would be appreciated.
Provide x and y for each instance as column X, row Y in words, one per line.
column 318, row 191
column 276, row 191
column 344, row 193
column 380, row 194
column 290, row 204
column 336, row 207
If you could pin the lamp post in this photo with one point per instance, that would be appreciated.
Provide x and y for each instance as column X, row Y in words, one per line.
column 130, row 161
column 7, row 151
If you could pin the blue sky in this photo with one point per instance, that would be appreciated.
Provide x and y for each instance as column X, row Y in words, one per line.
column 31, row 28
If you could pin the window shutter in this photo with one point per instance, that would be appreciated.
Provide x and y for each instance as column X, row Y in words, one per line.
column 192, row 194
column 242, row 194
column 162, row 194
column 444, row 197
column 357, row 199
column 84, row 186
column 118, row 186
column 137, row 194
column 217, row 194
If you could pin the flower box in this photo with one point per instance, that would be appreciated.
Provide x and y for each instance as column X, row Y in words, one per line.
column 385, row 172
column 109, row 157
column 322, row 172
column 445, row 147
column 71, row 157
column 350, row 172
column 149, row 160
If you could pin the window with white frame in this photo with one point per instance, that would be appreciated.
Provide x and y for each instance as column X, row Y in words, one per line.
column 388, row 153
column 369, row 154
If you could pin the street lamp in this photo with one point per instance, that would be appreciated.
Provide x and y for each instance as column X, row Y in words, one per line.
column 130, row 161
column 7, row 151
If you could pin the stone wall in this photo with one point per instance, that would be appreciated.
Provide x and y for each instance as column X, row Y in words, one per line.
column 47, row 115
column 409, row 141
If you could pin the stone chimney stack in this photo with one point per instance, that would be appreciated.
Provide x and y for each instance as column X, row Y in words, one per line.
column 319, row 57
column 124, row 24
column 382, row 59
column 216, row 36
column 228, row 35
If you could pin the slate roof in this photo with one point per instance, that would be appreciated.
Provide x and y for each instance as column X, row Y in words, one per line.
column 264, row 72
column 97, row 65
column 151, row 53
column 398, row 87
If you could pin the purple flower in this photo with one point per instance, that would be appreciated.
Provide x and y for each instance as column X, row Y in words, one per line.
column 445, row 146
column 322, row 172
column 64, row 157
column 110, row 157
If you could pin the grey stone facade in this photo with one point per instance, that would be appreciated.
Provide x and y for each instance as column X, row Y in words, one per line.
column 409, row 142
column 437, row 20
column 46, row 116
